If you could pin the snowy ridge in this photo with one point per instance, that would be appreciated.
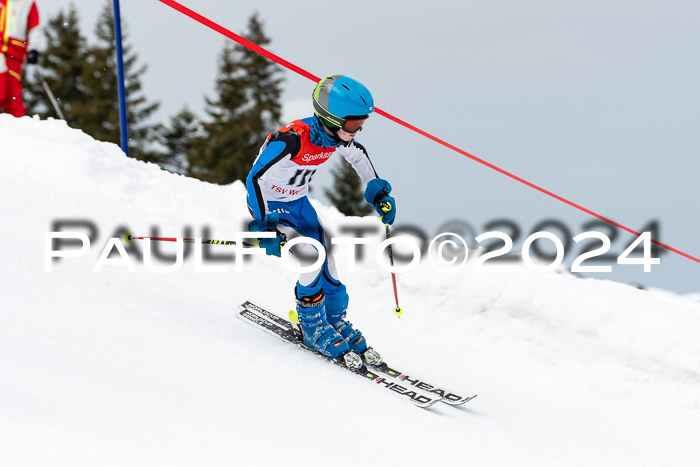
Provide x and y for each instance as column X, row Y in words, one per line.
column 119, row 368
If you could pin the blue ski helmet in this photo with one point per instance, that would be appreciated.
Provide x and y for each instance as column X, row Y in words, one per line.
column 339, row 98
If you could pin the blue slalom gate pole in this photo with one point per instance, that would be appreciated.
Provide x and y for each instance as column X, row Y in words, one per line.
column 120, row 77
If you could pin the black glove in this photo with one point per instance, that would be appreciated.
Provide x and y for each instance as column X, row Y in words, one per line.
column 33, row 57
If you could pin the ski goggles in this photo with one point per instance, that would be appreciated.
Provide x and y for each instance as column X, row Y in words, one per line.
column 353, row 126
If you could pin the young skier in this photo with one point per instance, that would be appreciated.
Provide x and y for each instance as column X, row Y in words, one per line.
column 277, row 186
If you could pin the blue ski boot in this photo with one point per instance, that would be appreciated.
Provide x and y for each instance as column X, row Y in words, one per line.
column 320, row 335
column 355, row 340
column 337, row 304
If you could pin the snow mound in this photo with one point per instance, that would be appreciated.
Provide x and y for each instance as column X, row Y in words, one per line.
column 120, row 368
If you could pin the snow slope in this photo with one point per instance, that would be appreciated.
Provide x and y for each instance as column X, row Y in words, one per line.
column 139, row 368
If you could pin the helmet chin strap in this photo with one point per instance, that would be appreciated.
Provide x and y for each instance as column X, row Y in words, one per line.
column 334, row 135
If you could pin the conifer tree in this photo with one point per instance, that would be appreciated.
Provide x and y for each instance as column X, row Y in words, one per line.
column 245, row 110
column 61, row 66
column 84, row 79
column 100, row 78
column 180, row 139
column 347, row 194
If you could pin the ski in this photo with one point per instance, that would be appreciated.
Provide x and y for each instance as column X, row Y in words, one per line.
column 417, row 396
column 448, row 397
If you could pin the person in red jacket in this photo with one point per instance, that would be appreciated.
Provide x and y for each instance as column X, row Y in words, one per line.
column 18, row 29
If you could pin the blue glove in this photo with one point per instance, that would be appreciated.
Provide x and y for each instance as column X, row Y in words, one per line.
column 377, row 194
column 273, row 246
column 386, row 209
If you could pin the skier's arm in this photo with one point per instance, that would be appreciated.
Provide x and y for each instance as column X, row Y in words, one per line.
column 357, row 156
column 33, row 35
column 280, row 146
column 376, row 189
column 33, row 27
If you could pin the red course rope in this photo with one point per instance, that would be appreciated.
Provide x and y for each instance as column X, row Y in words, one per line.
column 279, row 60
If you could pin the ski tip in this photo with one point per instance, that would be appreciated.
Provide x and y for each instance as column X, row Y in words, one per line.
column 427, row 404
column 462, row 401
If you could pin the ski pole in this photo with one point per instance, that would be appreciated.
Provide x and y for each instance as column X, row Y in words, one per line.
column 386, row 207
column 53, row 100
column 128, row 237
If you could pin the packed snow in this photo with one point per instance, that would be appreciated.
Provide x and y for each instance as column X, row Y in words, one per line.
column 115, row 368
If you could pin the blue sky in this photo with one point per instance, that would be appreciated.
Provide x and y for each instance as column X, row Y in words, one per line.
column 596, row 101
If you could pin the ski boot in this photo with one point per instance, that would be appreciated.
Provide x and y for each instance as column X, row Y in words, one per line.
column 320, row 335
column 355, row 339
